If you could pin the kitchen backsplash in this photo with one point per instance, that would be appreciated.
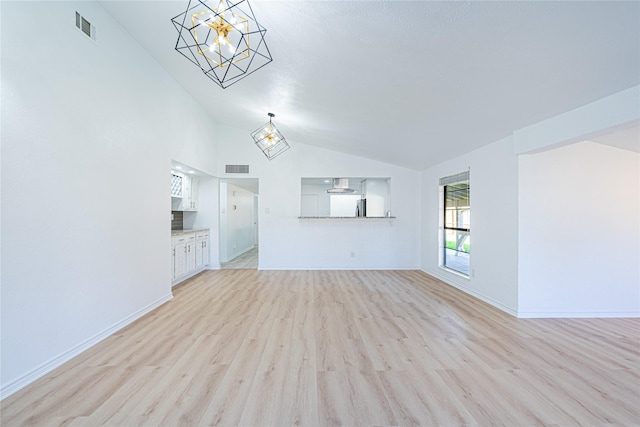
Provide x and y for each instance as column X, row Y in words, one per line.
column 177, row 222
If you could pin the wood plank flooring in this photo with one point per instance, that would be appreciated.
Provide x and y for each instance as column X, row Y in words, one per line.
column 350, row 348
column 248, row 259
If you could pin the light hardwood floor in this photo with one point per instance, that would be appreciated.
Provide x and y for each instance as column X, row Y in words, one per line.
column 248, row 259
column 352, row 348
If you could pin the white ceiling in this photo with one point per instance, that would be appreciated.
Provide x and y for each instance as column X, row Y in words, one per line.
column 411, row 83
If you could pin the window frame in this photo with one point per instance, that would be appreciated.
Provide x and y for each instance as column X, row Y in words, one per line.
column 444, row 228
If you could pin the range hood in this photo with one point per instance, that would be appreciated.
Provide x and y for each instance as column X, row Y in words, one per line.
column 340, row 186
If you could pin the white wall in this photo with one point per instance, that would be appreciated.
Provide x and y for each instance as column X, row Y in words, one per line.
column 494, row 223
column 579, row 232
column 236, row 221
column 287, row 242
column 207, row 216
column 88, row 132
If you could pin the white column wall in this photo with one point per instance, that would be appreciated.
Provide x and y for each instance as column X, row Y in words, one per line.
column 207, row 216
column 579, row 232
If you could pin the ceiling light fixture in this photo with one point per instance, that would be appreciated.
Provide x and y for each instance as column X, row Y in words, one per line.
column 223, row 39
column 269, row 139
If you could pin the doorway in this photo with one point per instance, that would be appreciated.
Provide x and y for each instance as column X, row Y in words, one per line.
column 239, row 233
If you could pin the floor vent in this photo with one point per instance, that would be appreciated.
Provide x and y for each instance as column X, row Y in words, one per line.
column 85, row 26
column 236, row 169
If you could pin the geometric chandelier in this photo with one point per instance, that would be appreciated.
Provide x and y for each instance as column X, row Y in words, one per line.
column 223, row 38
column 269, row 139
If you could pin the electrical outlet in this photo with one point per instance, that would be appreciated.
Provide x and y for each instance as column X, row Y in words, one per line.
column 353, row 254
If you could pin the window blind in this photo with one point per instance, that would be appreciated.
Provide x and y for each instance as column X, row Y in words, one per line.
column 452, row 179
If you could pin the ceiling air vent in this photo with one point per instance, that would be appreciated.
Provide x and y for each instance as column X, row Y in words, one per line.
column 85, row 26
column 236, row 168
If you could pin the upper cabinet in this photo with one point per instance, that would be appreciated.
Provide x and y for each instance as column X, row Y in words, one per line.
column 184, row 192
column 177, row 180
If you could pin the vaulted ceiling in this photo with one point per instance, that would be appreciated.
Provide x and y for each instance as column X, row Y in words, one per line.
column 411, row 83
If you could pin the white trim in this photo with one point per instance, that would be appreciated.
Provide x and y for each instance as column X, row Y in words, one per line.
column 577, row 314
column 473, row 293
column 48, row 366
column 188, row 276
column 455, row 272
column 341, row 268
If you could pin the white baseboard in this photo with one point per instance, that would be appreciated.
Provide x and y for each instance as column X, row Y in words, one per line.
column 189, row 275
column 297, row 268
column 48, row 366
column 473, row 293
column 532, row 314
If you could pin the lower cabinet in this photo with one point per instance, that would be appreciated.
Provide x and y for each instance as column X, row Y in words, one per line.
column 179, row 256
column 202, row 249
column 190, row 254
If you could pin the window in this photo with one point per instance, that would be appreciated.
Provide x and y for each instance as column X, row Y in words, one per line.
column 455, row 220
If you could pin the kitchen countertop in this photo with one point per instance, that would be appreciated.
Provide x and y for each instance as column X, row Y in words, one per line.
column 347, row 217
column 187, row 231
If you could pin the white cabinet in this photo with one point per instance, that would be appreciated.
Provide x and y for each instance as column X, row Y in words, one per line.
column 190, row 194
column 202, row 249
column 193, row 194
column 190, row 254
column 179, row 256
column 184, row 192
column 205, row 249
column 177, row 184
